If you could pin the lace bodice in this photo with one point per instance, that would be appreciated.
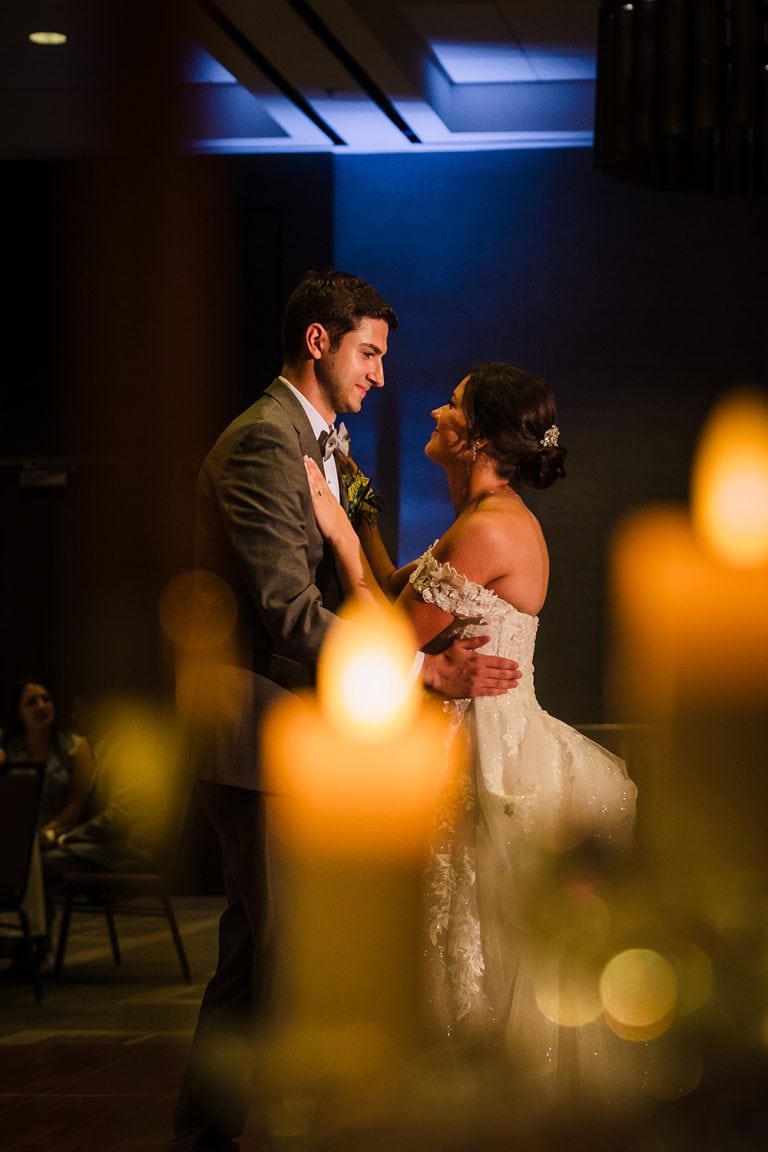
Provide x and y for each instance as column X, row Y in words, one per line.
column 479, row 611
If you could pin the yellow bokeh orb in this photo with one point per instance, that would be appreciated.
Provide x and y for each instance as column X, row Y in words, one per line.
column 568, row 994
column 638, row 990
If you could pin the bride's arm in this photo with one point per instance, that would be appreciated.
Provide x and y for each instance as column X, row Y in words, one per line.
column 390, row 579
column 428, row 620
column 457, row 669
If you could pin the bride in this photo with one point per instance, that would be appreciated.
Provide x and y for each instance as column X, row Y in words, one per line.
column 539, row 798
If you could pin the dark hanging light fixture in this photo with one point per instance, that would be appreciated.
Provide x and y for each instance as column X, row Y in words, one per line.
column 682, row 94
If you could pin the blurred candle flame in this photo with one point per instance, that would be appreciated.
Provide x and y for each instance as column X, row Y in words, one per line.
column 730, row 480
column 356, row 769
column 365, row 684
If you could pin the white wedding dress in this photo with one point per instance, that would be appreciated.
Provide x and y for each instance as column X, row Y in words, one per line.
column 501, row 898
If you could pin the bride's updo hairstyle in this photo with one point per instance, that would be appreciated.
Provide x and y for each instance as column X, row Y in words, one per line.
column 513, row 411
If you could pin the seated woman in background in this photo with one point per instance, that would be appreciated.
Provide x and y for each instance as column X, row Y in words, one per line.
column 128, row 804
column 32, row 733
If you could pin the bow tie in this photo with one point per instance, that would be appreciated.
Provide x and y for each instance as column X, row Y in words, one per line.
column 336, row 438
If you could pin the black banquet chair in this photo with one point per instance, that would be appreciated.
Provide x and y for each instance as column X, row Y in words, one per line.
column 20, row 794
column 86, row 889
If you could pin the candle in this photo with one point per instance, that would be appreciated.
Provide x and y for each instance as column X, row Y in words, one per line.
column 357, row 767
column 354, row 772
column 691, row 645
column 691, row 591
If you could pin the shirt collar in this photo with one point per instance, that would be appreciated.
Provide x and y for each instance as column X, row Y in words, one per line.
column 318, row 422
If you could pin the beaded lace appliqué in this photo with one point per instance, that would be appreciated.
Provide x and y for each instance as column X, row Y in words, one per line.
column 441, row 585
column 452, row 919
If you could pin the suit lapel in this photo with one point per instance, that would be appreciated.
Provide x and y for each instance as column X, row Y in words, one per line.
column 293, row 409
column 307, row 439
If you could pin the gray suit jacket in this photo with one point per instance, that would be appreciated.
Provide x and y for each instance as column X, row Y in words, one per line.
column 256, row 531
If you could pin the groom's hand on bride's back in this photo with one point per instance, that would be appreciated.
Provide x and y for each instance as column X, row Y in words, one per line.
column 460, row 672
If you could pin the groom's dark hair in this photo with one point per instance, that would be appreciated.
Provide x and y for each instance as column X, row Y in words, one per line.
column 338, row 301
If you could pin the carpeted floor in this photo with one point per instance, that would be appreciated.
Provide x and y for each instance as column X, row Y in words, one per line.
column 97, row 1065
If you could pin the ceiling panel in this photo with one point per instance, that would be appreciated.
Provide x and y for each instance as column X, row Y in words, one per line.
column 332, row 75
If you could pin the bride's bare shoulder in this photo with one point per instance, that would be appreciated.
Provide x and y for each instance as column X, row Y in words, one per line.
column 484, row 542
column 498, row 517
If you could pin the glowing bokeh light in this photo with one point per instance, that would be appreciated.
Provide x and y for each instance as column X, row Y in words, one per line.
column 140, row 742
column 638, row 989
column 197, row 610
column 568, row 994
column 48, row 39
column 198, row 614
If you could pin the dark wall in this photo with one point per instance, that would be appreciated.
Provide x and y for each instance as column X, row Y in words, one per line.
column 639, row 306
column 144, row 310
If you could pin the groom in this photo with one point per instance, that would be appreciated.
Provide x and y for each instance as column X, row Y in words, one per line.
column 257, row 533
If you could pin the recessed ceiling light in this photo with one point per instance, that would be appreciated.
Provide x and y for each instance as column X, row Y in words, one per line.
column 47, row 37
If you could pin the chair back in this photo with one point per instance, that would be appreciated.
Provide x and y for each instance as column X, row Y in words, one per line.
column 20, row 795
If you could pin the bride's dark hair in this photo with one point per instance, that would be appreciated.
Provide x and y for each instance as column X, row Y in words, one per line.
column 513, row 411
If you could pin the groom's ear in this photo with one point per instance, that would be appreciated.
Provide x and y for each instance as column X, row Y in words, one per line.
column 316, row 340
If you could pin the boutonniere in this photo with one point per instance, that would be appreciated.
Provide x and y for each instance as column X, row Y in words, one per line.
column 363, row 501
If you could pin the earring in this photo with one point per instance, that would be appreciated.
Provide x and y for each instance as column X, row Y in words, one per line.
column 474, row 451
